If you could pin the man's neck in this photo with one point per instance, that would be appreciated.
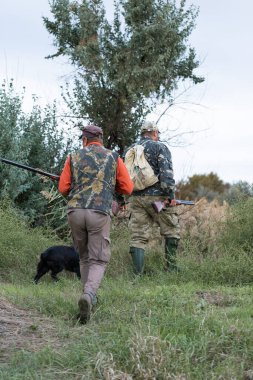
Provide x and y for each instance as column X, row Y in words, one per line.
column 146, row 137
column 94, row 143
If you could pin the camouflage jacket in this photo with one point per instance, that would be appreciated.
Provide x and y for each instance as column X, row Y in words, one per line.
column 159, row 158
column 93, row 170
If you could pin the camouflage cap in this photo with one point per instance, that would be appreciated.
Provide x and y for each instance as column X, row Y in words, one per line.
column 149, row 126
column 91, row 131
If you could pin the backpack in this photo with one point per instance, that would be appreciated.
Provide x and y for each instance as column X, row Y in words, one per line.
column 141, row 173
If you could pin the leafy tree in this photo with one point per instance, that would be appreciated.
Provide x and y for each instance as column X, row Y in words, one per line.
column 34, row 139
column 124, row 67
column 202, row 185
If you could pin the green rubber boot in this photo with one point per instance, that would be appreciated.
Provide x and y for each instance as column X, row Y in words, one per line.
column 138, row 259
column 171, row 245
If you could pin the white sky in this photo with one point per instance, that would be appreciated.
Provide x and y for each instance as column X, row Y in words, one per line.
column 220, row 109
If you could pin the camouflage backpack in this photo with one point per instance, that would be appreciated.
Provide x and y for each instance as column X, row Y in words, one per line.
column 140, row 171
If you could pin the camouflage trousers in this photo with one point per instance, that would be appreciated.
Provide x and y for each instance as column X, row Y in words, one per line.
column 143, row 216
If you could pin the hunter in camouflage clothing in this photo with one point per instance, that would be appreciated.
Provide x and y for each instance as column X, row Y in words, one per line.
column 90, row 178
column 142, row 214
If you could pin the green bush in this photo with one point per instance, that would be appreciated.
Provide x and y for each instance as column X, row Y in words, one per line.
column 238, row 192
column 35, row 139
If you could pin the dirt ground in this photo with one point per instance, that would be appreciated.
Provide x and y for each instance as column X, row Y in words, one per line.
column 23, row 329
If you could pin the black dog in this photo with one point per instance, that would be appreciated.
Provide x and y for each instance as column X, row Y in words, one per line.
column 57, row 258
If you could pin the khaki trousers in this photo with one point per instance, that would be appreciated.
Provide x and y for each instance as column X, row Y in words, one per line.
column 91, row 230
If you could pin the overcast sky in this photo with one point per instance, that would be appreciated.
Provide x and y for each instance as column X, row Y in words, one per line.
column 219, row 111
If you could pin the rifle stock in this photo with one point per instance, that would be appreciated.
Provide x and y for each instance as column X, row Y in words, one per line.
column 158, row 206
column 54, row 177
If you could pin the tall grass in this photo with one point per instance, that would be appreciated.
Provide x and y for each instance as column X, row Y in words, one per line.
column 238, row 229
column 228, row 259
column 146, row 330
column 20, row 246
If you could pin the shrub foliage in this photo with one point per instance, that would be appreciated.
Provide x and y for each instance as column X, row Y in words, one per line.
column 34, row 139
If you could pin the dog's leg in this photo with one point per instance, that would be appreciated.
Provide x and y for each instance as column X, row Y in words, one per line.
column 77, row 271
column 54, row 277
column 54, row 272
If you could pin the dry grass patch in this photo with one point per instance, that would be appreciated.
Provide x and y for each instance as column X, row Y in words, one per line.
column 203, row 220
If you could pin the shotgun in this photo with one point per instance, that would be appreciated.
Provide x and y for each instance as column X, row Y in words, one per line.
column 54, row 177
column 158, row 206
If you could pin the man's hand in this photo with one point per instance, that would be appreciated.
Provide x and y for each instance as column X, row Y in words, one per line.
column 122, row 207
column 172, row 202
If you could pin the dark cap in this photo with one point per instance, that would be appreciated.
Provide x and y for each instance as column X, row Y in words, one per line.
column 91, row 131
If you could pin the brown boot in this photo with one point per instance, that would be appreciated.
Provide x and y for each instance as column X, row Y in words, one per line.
column 85, row 306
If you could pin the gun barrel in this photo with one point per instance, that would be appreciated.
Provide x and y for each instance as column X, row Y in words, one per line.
column 182, row 202
column 26, row 167
column 159, row 205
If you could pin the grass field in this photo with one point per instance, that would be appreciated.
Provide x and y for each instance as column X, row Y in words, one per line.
column 193, row 325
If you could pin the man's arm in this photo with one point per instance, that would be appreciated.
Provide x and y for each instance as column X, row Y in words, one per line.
column 166, row 174
column 124, row 184
column 65, row 179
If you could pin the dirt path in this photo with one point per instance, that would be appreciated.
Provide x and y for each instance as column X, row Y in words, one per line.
column 23, row 329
